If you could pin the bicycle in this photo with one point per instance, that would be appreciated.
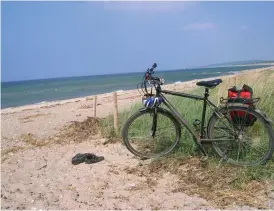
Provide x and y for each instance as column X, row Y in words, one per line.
column 232, row 139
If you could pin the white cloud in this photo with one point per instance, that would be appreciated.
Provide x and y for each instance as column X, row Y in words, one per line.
column 199, row 26
column 148, row 6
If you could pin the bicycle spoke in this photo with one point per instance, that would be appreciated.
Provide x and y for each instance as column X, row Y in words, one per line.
column 148, row 141
column 250, row 145
column 238, row 152
column 224, row 130
column 222, row 138
column 228, row 127
column 163, row 132
column 251, row 141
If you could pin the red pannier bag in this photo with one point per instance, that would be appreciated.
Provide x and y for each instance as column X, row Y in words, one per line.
column 244, row 97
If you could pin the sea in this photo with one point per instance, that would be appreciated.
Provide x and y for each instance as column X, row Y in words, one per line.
column 19, row 93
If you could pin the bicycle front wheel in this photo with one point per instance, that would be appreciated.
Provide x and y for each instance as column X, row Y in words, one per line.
column 251, row 137
column 150, row 133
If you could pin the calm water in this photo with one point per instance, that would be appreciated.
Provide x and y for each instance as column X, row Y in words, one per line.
column 36, row 91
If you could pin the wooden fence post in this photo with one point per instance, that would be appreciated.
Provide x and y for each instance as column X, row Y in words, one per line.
column 94, row 105
column 220, row 90
column 234, row 80
column 115, row 112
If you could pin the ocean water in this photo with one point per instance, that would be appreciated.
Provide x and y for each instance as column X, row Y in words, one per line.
column 35, row 91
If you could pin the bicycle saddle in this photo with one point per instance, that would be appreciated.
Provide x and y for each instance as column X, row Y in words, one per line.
column 209, row 84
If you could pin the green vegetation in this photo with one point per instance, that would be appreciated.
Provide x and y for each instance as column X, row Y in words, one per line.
column 239, row 177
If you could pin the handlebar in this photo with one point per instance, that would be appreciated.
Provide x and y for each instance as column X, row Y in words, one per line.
column 151, row 80
column 150, row 71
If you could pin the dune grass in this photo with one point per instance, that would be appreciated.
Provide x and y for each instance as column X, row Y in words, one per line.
column 262, row 84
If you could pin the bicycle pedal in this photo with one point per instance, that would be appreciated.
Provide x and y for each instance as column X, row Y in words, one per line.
column 196, row 123
column 221, row 161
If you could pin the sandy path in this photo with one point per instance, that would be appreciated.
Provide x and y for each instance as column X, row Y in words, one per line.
column 104, row 185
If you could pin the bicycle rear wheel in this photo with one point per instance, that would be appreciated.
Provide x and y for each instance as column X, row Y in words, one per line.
column 252, row 139
column 150, row 134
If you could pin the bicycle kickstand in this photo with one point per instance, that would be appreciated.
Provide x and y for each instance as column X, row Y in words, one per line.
column 204, row 160
column 223, row 158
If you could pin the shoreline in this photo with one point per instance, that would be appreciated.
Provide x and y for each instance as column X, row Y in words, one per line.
column 185, row 84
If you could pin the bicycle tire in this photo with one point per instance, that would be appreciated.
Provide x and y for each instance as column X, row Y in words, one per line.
column 259, row 117
column 140, row 113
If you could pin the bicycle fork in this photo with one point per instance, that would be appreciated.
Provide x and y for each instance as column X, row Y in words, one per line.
column 154, row 123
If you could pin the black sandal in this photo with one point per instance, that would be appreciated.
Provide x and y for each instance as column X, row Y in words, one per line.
column 92, row 158
column 88, row 158
column 79, row 158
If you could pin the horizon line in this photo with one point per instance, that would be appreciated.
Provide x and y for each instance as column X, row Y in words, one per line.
column 189, row 68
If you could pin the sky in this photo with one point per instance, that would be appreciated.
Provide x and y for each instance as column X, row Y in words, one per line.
column 62, row 39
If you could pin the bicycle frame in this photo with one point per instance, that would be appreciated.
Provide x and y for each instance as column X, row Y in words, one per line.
column 178, row 116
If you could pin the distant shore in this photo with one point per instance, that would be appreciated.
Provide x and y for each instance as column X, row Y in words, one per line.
column 241, row 65
column 121, row 93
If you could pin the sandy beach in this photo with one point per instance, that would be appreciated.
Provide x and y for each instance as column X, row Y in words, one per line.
column 42, row 177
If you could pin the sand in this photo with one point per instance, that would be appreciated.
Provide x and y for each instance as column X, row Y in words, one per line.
column 44, row 178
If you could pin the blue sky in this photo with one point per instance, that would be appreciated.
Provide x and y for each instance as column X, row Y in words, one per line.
column 58, row 39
